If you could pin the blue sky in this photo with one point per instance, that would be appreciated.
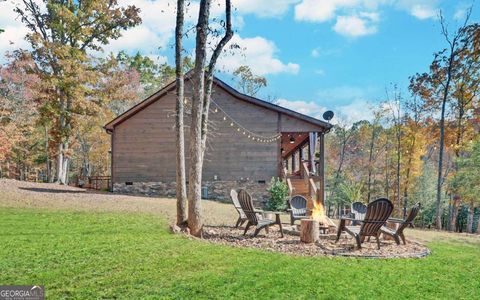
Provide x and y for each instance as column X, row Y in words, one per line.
column 316, row 54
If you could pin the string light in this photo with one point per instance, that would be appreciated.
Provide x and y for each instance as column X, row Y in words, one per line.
column 251, row 135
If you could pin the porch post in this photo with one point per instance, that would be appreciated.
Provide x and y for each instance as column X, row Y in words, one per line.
column 321, row 167
column 293, row 162
column 312, row 141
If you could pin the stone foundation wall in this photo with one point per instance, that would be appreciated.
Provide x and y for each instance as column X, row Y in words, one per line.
column 213, row 190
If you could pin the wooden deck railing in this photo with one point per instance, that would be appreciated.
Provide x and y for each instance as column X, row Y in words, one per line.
column 284, row 176
column 311, row 180
column 98, row 182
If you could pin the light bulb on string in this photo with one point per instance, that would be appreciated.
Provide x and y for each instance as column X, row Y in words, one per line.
column 224, row 118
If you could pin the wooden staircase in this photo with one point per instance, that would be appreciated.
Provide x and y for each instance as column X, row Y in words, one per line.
column 309, row 186
column 300, row 187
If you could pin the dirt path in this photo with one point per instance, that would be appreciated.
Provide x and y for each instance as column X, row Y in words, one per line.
column 23, row 194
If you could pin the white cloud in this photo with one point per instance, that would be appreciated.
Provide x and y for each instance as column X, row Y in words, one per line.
column 321, row 11
column 420, row 9
column 259, row 54
column 353, row 18
column 263, row 8
column 309, row 108
column 13, row 36
column 356, row 18
column 423, row 12
column 320, row 72
column 357, row 110
column 315, row 52
column 461, row 12
column 357, row 25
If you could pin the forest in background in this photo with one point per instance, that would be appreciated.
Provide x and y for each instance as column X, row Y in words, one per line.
column 56, row 97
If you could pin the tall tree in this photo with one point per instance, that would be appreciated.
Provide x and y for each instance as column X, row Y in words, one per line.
column 202, row 79
column 466, row 182
column 395, row 107
column 179, row 111
column 466, row 85
column 18, row 91
column 249, row 83
column 153, row 75
column 60, row 34
column 435, row 89
column 373, row 150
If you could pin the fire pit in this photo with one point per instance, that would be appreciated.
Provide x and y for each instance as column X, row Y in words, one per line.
column 316, row 222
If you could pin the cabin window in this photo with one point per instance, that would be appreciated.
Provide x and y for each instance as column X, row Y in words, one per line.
column 261, row 181
column 128, row 183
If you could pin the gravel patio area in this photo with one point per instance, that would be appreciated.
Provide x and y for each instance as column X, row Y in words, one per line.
column 291, row 244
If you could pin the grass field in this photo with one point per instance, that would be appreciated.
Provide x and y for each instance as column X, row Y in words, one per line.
column 95, row 254
column 129, row 255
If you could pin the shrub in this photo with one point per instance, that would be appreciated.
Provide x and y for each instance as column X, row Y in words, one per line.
column 278, row 195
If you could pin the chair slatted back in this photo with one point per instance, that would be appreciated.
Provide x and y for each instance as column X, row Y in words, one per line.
column 377, row 214
column 359, row 210
column 411, row 216
column 236, row 203
column 298, row 204
column 246, row 203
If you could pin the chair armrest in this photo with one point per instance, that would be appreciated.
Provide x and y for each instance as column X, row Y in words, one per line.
column 395, row 220
column 348, row 218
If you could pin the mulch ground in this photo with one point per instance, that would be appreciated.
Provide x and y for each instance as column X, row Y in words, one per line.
column 291, row 244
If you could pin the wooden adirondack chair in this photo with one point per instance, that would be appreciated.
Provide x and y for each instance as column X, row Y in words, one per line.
column 298, row 208
column 358, row 211
column 254, row 216
column 376, row 216
column 398, row 233
column 241, row 215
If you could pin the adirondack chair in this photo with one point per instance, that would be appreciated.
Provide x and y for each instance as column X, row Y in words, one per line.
column 241, row 215
column 376, row 216
column 358, row 211
column 254, row 216
column 398, row 233
column 298, row 208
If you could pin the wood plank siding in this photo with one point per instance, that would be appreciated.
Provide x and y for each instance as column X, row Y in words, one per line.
column 143, row 144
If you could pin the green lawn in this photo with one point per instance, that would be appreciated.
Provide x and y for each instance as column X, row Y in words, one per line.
column 130, row 255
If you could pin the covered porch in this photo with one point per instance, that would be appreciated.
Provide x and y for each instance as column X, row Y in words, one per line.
column 302, row 167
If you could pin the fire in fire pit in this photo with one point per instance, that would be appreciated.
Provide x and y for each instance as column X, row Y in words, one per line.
column 317, row 213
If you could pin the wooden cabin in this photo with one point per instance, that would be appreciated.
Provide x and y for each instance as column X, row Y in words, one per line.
column 249, row 142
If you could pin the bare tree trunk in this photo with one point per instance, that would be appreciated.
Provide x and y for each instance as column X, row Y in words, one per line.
column 370, row 160
column 387, row 169
column 471, row 212
column 407, row 177
column 200, row 105
column 453, row 218
column 180, row 137
column 438, row 215
column 478, row 227
column 48, row 166
column 453, row 43
column 196, row 157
